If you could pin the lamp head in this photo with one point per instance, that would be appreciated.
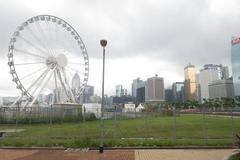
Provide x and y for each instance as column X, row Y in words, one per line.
column 103, row 42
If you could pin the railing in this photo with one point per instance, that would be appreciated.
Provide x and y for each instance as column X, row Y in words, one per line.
column 71, row 127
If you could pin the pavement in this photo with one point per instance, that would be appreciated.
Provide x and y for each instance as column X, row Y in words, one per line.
column 183, row 154
column 149, row 154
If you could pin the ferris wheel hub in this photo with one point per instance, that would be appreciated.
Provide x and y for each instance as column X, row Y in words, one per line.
column 61, row 60
column 51, row 62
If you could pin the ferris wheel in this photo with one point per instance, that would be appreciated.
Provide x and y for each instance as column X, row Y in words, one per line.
column 47, row 56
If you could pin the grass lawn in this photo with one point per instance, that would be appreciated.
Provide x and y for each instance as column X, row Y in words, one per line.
column 150, row 131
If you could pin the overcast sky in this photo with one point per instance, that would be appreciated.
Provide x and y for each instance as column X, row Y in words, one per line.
column 144, row 37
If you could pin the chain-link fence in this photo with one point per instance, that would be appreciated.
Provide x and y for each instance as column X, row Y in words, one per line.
column 76, row 127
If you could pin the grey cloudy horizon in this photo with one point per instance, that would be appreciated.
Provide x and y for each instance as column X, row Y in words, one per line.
column 144, row 37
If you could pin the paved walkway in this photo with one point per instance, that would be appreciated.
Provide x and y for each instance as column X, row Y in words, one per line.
column 182, row 154
column 77, row 154
column 74, row 154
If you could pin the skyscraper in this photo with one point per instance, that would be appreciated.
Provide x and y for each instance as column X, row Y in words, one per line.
column 221, row 88
column 140, row 97
column 154, row 90
column 135, row 84
column 119, row 91
column 190, row 82
column 87, row 93
column 208, row 74
column 76, row 81
column 178, row 91
column 169, row 95
column 75, row 84
column 235, row 58
column 224, row 72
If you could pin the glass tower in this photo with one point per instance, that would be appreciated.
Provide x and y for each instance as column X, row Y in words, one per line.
column 235, row 57
column 190, row 82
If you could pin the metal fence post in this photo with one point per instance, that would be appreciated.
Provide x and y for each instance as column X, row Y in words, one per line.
column 174, row 125
column 145, row 125
column 114, row 125
column 30, row 115
column 204, row 124
column 17, row 113
column 50, row 115
column 84, row 110
column 233, row 135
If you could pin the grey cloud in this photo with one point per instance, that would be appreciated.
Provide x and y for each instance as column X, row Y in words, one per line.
column 177, row 31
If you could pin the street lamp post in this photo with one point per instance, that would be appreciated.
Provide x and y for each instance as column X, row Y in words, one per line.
column 103, row 44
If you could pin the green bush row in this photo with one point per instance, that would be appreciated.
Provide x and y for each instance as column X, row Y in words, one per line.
column 48, row 119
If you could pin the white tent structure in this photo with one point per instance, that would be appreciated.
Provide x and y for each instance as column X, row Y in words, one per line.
column 140, row 107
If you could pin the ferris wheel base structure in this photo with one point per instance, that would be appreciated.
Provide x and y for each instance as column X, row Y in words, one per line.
column 46, row 54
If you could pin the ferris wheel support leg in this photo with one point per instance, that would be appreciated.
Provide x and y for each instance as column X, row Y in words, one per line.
column 42, row 88
column 56, row 87
column 65, row 78
column 62, row 83
column 41, row 77
column 19, row 98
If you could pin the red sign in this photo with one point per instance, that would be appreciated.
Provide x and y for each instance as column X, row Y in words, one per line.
column 235, row 41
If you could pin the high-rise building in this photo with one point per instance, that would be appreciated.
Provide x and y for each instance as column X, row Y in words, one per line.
column 140, row 97
column 208, row 74
column 190, row 82
column 87, row 93
column 154, row 90
column 125, row 92
column 224, row 72
column 135, row 84
column 169, row 95
column 235, row 58
column 75, row 81
column 60, row 95
column 221, row 88
column 119, row 91
column 178, row 91
column 198, row 92
column 75, row 84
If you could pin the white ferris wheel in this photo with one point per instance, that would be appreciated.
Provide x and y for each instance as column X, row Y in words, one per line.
column 46, row 55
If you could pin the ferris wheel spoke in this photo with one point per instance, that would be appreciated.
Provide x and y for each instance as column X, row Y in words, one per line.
column 69, row 88
column 74, row 58
column 32, row 73
column 68, row 46
column 37, row 39
column 41, row 77
column 76, row 63
column 34, row 46
column 30, row 63
column 51, row 37
column 70, row 73
column 44, row 36
column 28, row 53
column 73, row 70
column 43, row 84
column 62, row 83
column 56, row 86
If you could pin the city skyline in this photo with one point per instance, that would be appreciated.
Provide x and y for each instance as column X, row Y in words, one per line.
column 138, row 46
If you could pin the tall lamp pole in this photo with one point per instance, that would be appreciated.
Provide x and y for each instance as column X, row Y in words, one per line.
column 103, row 44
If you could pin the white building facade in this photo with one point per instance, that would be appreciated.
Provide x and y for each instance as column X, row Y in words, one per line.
column 206, row 76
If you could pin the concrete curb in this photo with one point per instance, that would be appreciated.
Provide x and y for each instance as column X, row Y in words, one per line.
column 124, row 148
